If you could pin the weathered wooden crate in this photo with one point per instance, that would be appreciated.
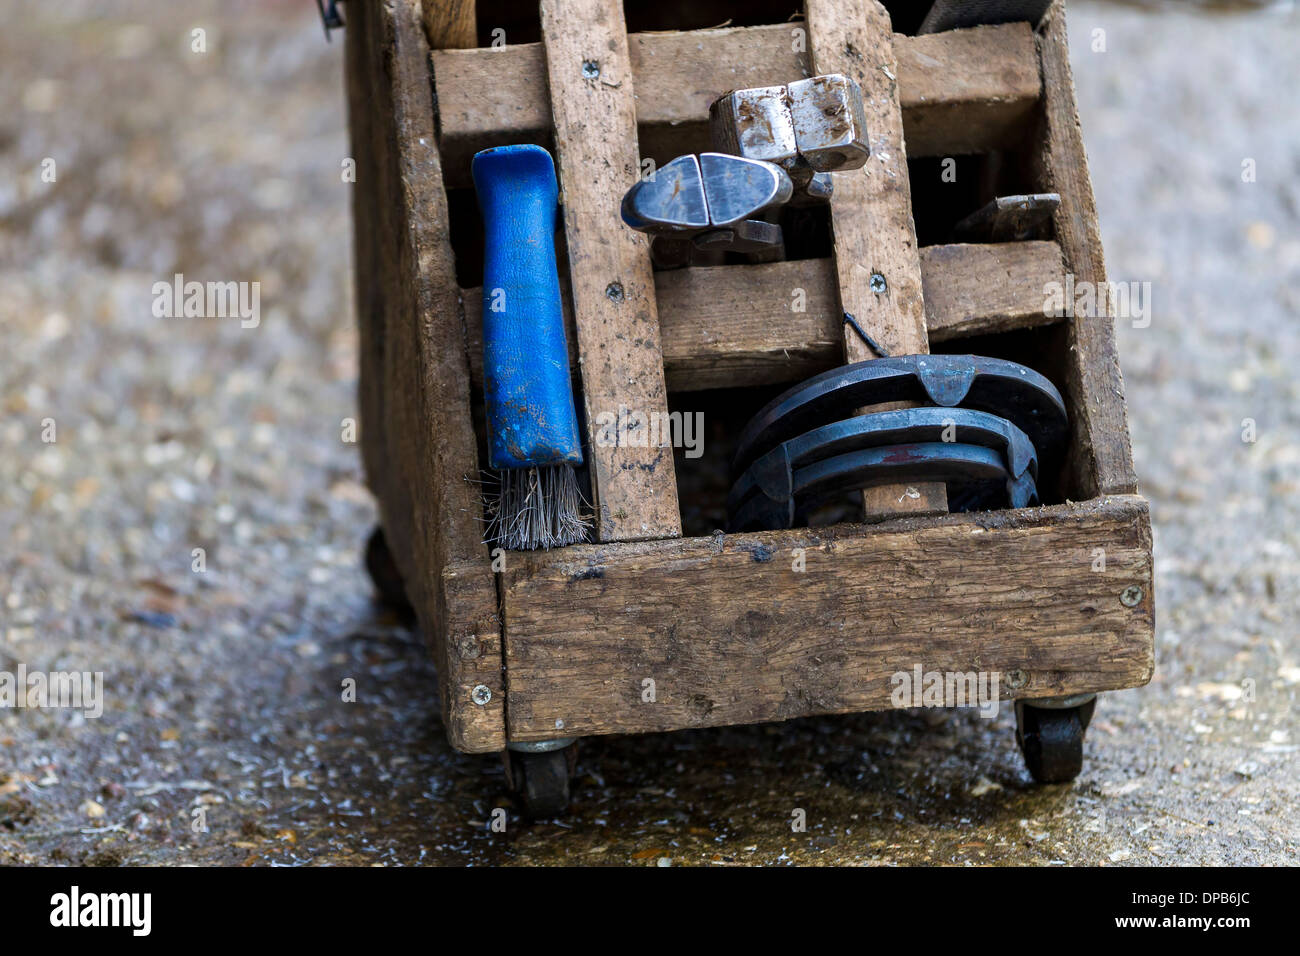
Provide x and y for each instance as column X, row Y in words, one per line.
column 559, row 644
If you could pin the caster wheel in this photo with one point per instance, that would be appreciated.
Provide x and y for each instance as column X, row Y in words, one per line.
column 541, row 780
column 384, row 574
column 1051, row 739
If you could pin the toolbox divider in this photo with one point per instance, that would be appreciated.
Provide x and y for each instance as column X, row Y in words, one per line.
column 877, row 268
column 738, row 325
column 965, row 92
column 633, row 483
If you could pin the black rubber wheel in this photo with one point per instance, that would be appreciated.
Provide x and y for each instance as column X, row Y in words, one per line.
column 383, row 573
column 541, row 781
column 1051, row 739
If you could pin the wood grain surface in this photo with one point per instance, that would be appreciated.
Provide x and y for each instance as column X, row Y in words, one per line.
column 730, row 631
column 1101, row 461
column 877, row 265
column 416, row 431
column 963, row 92
column 737, row 325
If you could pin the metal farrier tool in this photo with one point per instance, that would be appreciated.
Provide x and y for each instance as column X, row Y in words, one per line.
column 989, row 429
column 774, row 145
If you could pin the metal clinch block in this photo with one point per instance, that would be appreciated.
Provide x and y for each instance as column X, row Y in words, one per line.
column 708, row 201
column 810, row 128
column 777, row 144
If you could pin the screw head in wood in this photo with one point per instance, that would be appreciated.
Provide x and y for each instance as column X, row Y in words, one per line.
column 878, row 283
column 481, row 694
column 1131, row 596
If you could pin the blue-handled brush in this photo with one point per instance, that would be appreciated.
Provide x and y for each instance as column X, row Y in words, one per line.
column 532, row 426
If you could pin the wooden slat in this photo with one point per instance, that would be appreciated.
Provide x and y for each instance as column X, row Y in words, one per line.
column 416, row 423
column 1101, row 460
column 731, row 633
column 968, row 91
column 371, row 217
column 977, row 289
column 730, row 326
column 450, row 24
column 871, row 217
column 635, row 488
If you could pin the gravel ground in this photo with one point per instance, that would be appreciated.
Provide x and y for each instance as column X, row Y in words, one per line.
column 224, row 738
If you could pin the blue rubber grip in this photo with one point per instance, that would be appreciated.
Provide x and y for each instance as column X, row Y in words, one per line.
column 527, row 387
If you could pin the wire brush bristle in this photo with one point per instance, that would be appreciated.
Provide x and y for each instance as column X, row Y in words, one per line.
column 536, row 508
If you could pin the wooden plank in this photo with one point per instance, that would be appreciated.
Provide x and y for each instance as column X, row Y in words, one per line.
column 1101, row 459
column 371, row 219
column 731, row 633
column 729, row 326
column 592, row 101
column 968, row 91
column 976, row 289
column 450, row 24
column 877, row 267
column 415, row 397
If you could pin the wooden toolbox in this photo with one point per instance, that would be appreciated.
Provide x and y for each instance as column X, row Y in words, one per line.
column 742, row 628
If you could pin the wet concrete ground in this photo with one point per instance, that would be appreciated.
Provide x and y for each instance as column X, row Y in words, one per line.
column 222, row 688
